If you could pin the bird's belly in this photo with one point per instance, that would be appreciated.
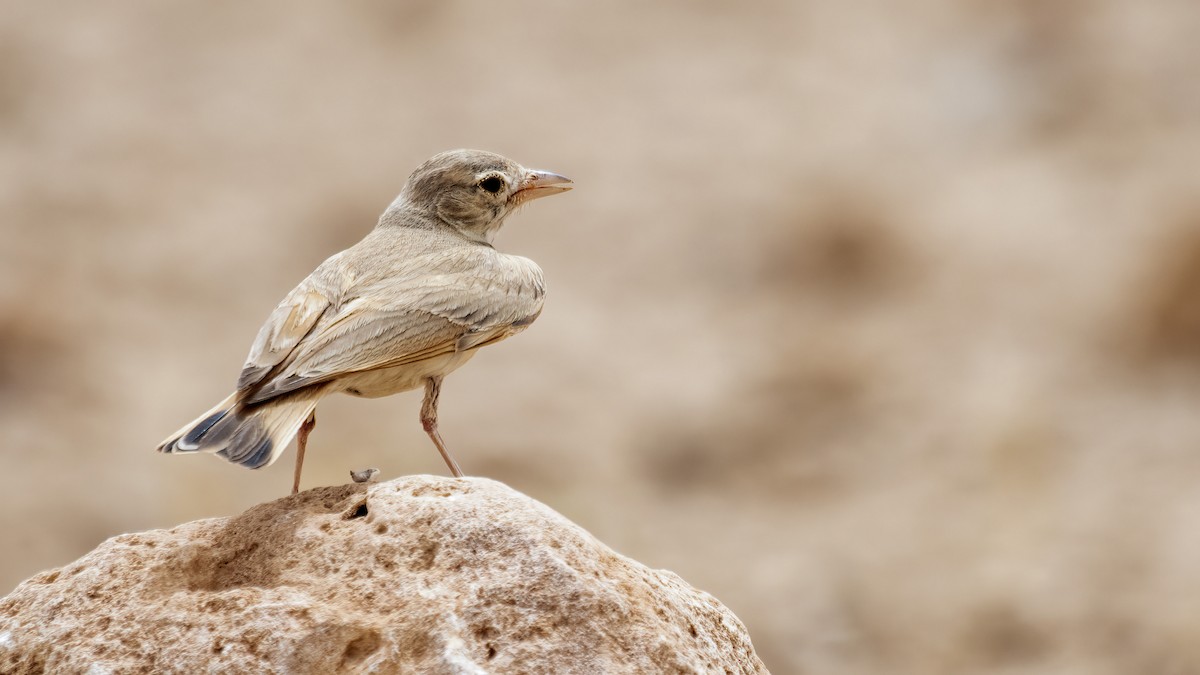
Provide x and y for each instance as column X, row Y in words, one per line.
column 388, row 381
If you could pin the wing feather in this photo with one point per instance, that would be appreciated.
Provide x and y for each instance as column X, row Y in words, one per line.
column 292, row 321
column 439, row 304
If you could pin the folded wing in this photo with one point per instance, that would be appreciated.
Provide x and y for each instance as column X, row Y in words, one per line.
column 440, row 303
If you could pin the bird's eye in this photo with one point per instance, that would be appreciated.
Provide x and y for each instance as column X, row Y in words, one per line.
column 492, row 184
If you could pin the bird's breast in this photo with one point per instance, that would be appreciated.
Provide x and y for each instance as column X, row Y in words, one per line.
column 388, row 381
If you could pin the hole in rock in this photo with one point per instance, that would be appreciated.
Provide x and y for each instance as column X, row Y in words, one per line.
column 359, row 511
column 361, row 647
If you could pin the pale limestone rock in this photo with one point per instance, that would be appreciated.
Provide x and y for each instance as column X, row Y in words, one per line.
column 419, row 574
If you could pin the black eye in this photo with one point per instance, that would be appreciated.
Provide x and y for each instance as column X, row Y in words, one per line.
column 492, row 184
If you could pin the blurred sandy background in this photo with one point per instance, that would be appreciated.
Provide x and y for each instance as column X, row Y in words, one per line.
column 879, row 321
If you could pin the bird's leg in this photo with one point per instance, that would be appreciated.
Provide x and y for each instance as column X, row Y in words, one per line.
column 301, row 441
column 433, row 387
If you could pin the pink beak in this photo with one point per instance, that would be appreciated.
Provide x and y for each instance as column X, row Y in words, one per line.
column 539, row 184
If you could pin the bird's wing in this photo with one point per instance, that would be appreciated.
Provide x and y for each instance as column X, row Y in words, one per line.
column 440, row 303
column 291, row 321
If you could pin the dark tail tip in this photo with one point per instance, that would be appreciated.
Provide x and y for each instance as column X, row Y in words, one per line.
column 253, row 456
column 192, row 441
column 193, row 437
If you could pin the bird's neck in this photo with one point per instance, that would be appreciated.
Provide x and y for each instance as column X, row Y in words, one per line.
column 403, row 214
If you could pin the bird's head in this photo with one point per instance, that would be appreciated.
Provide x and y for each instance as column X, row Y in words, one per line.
column 474, row 191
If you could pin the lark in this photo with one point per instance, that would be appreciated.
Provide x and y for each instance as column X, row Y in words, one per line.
column 401, row 309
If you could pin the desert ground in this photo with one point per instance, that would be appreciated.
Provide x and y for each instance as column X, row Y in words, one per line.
column 878, row 321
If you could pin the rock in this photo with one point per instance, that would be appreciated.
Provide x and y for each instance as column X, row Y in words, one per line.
column 419, row 574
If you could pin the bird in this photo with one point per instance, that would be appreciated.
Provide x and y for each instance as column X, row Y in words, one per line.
column 415, row 299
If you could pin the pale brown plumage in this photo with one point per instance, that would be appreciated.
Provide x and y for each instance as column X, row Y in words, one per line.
column 400, row 309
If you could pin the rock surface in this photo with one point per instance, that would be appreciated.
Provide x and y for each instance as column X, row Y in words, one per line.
column 419, row 574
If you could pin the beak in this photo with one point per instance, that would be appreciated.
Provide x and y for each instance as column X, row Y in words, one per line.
column 541, row 184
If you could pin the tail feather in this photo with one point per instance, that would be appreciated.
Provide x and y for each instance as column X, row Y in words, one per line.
column 251, row 435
